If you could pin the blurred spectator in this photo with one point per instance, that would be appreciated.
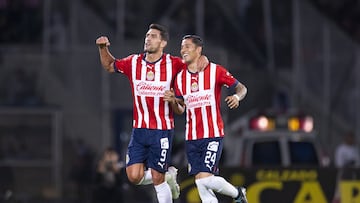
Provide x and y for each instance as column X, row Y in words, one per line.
column 347, row 153
column 346, row 157
column 81, row 171
column 109, row 178
column 20, row 89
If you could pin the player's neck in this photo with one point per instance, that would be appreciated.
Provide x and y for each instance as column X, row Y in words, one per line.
column 152, row 57
column 192, row 67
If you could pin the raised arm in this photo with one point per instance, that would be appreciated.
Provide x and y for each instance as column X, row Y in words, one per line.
column 107, row 60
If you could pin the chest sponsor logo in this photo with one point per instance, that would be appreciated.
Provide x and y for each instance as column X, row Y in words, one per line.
column 151, row 89
column 199, row 99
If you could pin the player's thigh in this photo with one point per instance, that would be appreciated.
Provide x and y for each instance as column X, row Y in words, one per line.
column 160, row 150
column 137, row 151
column 204, row 155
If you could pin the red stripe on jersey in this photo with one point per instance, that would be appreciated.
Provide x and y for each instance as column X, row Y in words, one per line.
column 163, row 70
column 189, row 129
column 138, row 68
column 162, row 113
column 207, row 81
column 184, row 82
column 152, row 122
column 210, row 121
column 199, row 123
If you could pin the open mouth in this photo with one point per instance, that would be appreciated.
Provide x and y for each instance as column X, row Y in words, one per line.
column 185, row 55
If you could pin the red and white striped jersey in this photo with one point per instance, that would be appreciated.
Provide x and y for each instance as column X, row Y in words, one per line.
column 148, row 82
column 202, row 93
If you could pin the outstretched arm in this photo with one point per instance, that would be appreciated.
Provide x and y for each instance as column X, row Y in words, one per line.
column 107, row 60
column 233, row 101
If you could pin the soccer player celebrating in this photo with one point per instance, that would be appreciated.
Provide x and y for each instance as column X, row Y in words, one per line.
column 150, row 74
column 199, row 92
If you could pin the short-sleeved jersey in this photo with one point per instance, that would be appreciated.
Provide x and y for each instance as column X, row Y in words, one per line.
column 148, row 82
column 202, row 93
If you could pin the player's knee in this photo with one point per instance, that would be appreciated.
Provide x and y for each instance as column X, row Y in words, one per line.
column 134, row 177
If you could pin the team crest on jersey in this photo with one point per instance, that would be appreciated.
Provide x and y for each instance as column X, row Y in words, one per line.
column 150, row 75
column 194, row 87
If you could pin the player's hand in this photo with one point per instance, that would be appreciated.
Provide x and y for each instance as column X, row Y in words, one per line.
column 232, row 102
column 102, row 42
column 169, row 95
column 202, row 63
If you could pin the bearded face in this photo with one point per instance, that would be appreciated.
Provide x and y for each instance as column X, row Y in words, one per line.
column 152, row 41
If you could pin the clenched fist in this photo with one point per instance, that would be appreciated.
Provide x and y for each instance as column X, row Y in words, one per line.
column 102, row 42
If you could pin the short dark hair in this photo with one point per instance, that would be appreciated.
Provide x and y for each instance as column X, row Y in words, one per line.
column 163, row 31
column 195, row 39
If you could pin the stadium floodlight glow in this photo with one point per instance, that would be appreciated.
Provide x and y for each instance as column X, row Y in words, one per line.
column 308, row 124
column 294, row 124
column 303, row 123
column 262, row 123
